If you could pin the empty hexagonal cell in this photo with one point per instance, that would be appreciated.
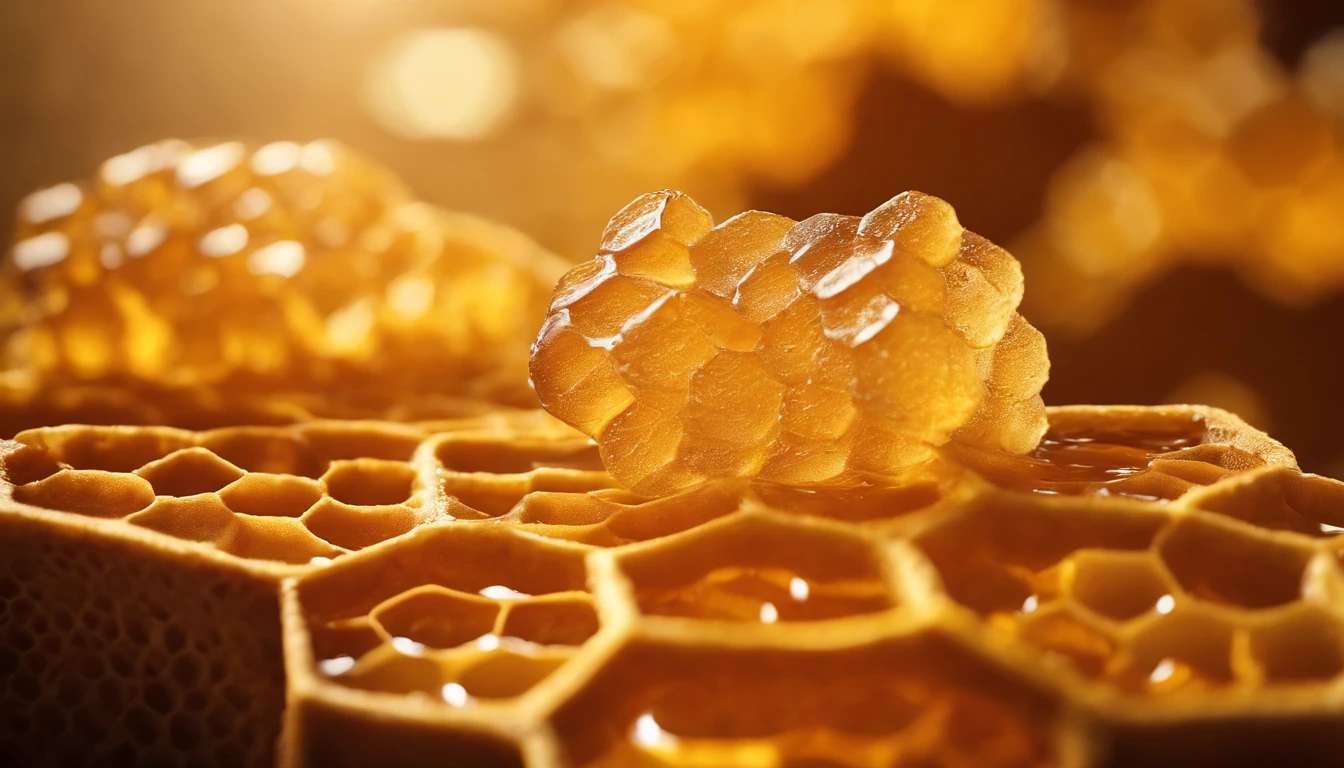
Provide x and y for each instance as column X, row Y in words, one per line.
column 1188, row 648
column 112, row 449
column 436, row 617
column 369, row 482
column 189, row 471
column 915, row 700
column 268, row 495
column 1220, row 562
column 89, row 492
column 756, row 569
column 1060, row 631
column 1119, row 584
column 487, row 452
column 1006, row 556
column 1304, row 643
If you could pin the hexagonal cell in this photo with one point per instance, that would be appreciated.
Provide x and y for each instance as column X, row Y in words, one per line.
column 189, row 471
column 1119, row 584
column 1279, row 498
column 1010, row 555
column 268, row 495
column 89, row 492
column 913, row 700
column 1222, row 562
column 352, row 527
column 111, row 449
column 436, row 617
column 1303, row 644
column 1058, row 630
column 487, row 452
column 753, row 568
column 1189, row 648
column 369, row 482
column 471, row 610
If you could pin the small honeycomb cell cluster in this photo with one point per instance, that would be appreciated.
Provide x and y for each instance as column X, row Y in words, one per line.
column 800, row 353
column 302, row 494
column 1142, row 576
column 285, row 269
column 116, row 654
column 469, row 612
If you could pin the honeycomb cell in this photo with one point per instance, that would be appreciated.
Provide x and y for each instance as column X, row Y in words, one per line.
column 1189, row 648
column 1013, row 556
column 748, row 568
column 1303, row 644
column 484, row 476
column 804, row 353
column 369, row 482
column 271, row 272
column 1207, row 557
column 189, row 471
column 901, row 701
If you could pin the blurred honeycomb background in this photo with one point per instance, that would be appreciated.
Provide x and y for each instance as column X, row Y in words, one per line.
column 1170, row 172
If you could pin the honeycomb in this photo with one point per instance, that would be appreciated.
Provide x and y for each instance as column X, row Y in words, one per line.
column 1146, row 582
column 260, row 276
column 800, row 353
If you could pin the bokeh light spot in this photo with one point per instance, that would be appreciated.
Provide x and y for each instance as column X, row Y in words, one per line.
column 455, row 84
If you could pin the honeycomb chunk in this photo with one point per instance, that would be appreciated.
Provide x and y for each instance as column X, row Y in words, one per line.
column 802, row 353
column 268, row 271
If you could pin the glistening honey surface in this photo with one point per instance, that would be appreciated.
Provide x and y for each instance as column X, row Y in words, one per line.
column 767, row 595
column 1103, row 462
column 876, row 706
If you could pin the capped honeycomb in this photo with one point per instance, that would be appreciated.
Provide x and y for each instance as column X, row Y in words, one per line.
column 800, row 353
column 284, row 271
